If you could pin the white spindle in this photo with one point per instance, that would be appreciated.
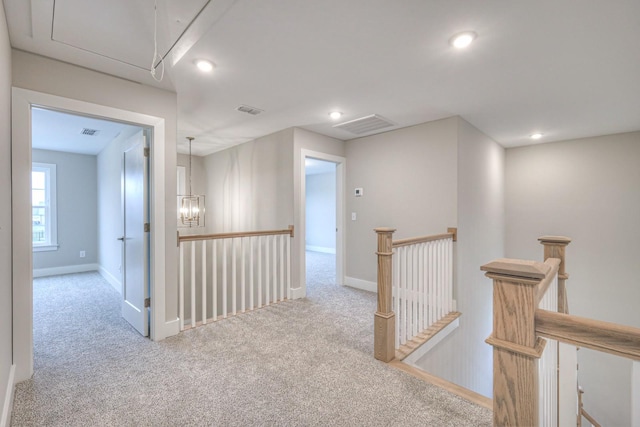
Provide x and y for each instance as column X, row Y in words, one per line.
column 181, row 287
column 395, row 269
column 204, row 282
column 421, row 305
column 243, row 283
column 274, row 280
column 281, row 239
column 251, row 291
column 224, row 278
column 260, row 239
column 267, row 272
column 288, row 241
column 193, row 284
column 214, row 277
column 234, row 284
column 547, row 366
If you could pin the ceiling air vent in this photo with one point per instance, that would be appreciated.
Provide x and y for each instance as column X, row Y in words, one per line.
column 365, row 124
column 89, row 132
column 249, row 110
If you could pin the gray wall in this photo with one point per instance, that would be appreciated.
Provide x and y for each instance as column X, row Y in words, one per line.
column 321, row 211
column 54, row 77
column 587, row 189
column 6, row 343
column 77, row 205
column 463, row 357
column 409, row 179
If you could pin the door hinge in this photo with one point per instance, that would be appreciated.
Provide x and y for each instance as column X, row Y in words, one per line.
column 147, row 302
column 146, row 151
column 147, row 227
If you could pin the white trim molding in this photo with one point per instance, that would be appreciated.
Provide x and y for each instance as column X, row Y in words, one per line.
column 7, row 405
column 365, row 285
column 65, row 269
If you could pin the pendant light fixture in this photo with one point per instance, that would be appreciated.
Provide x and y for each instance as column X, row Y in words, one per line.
column 191, row 206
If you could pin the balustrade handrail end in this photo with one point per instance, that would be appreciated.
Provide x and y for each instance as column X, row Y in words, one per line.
column 517, row 268
column 554, row 239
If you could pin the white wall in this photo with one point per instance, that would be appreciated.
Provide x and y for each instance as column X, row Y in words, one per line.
column 77, row 204
column 109, row 200
column 321, row 212
column 463, row 357
column 409, row 179
column 6, row 343
column 586, row 189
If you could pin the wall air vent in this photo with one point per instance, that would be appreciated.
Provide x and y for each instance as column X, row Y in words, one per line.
column 365, row 124
column 249, row 110
column 89, row 132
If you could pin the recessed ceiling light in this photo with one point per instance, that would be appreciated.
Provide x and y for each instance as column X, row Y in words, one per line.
column 462, row 40
column 204, row 65
column 536, row 135
column 335, row 115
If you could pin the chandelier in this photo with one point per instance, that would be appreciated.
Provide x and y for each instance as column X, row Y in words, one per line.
column 191, row 207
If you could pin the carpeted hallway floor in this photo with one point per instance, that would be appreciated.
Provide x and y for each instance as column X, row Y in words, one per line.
column 300, row 363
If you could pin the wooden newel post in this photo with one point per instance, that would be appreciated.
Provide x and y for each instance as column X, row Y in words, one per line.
column 384, row 319
column 554, row 247
column 516, row 349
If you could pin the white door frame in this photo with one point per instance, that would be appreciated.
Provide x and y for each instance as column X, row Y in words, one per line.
column 341, row 164
column 22, row 101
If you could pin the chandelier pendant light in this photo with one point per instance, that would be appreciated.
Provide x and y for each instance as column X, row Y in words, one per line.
column 191, row 206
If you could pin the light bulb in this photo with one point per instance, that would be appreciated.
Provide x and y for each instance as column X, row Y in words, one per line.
column 462, row 40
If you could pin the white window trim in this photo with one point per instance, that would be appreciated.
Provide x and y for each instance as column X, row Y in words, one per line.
column 51, row 243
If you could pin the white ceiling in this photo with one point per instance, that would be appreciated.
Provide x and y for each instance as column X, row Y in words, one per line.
column 567, row 68
column 58, row 131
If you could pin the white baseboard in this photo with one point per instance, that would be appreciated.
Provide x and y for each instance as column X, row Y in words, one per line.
column 426, row 347
column 8, row 398
column 67, row 269
column 113, row 280
column 172, row 327
column 297, row 293
column 321, row 249
column 365, row 285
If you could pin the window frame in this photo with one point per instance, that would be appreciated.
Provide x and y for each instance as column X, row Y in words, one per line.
column 51, row 223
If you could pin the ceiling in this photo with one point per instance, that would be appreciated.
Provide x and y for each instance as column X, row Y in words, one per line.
column 58, row 131
column 566, row 68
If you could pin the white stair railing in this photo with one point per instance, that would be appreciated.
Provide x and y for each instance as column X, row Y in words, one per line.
column 231, row 273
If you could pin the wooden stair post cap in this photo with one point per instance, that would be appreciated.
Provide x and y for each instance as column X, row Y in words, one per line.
column 517, row 268
column 384, row 230
column 554, row 239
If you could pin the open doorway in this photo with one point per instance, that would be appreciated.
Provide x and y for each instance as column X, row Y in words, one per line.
column 88, row 187
column 320, row 222
column 23, row 103
column 322, row 181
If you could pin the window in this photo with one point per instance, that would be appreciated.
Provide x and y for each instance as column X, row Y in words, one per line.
column 43, row 207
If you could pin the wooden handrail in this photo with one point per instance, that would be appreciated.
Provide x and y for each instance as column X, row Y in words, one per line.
column 607, row 337
column 196, row 237
column 422, row 239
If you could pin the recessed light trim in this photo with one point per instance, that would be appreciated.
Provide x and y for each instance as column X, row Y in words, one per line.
column 335, row 115
column 204, row 65
column 536, row 135
column 462, row 40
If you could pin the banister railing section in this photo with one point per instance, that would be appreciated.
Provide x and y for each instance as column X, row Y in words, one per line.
column 230, row 273
column 529, row 303
column 415, row 291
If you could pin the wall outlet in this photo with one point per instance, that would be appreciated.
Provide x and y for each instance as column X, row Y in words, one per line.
column 354, row 216
column 83, row 254
column 359, row 192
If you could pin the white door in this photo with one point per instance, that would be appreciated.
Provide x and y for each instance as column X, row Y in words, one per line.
column 135, row 240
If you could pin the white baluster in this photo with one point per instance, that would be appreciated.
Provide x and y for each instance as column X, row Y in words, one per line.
column 403, row 287
column 281, row 267
column 204, row 282
column 181, row 287
column 251, row 290
column 288, row 240
column 234, row 284
column 224, row 278
column 260, row 240
column 395, row 268
column 193, row 284
column 267, row 272
column 214, row 274
column 432, row 286
column 421, row 286
column 243, row 283
column 274, row 280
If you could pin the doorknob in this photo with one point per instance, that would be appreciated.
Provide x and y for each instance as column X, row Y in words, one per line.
column 121, row 238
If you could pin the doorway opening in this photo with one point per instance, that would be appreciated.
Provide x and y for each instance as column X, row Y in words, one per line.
column 84, row 183
column 24, row 103
column 322, row 219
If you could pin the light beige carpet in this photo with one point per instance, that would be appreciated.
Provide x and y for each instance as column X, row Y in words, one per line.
column 302, row 363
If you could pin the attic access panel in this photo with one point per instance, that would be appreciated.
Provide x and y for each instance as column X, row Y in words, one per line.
column 122, row 30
